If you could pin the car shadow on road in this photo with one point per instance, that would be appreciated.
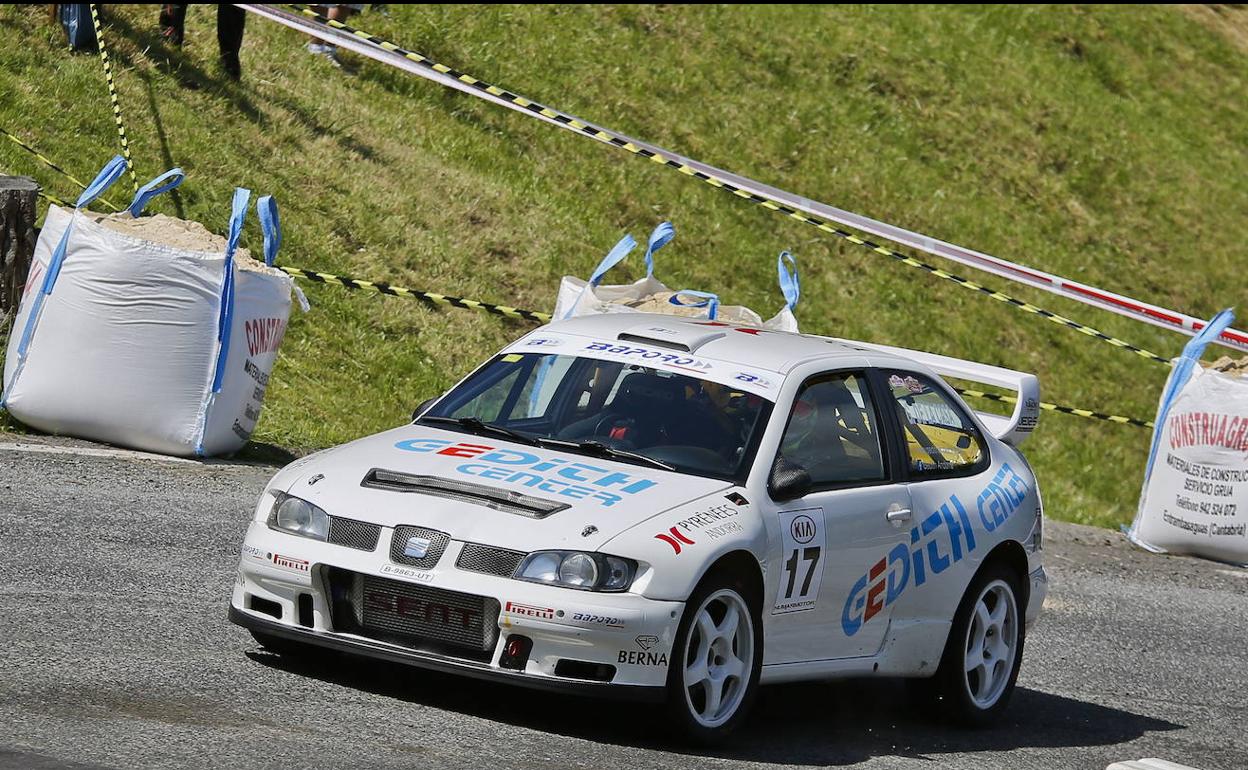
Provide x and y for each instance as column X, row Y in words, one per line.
column 831, row 723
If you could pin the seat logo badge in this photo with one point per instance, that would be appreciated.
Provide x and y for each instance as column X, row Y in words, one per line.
column 591, row 529
column 416, row 547
column 315, row 478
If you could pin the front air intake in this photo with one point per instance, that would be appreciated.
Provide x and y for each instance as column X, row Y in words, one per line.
column 464, row 491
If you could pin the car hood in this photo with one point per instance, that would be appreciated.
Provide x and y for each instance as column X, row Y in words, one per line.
column 485, row 490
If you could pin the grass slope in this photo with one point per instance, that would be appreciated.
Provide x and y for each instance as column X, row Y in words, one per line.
column 1105, row 144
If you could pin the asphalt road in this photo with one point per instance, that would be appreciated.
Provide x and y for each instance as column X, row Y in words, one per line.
column 115, row 652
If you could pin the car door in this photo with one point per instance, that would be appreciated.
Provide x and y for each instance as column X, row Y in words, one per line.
column 946, row 462
column 835, row 546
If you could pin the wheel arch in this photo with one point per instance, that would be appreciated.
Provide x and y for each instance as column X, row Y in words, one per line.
column 1011, row 555
column 736, row 562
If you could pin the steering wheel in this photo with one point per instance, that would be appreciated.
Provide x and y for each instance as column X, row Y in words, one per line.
column 604, row 435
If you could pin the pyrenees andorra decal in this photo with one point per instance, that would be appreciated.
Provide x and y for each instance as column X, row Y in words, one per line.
column 801, row 562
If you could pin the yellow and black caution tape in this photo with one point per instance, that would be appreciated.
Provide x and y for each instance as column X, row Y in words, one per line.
column 436, row 300
column 112, row 94
column 1058, row 408
column 443, row 300
column 429, row 298
column 623, row 143
column 53, row 199
column 50, row 164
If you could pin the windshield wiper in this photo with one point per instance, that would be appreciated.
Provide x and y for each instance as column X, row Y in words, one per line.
column 476, row 425
column 603, row 450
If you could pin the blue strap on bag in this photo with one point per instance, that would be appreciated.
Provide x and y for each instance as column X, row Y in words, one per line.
column 617, row 253
column 660, row 237
column 241, row 198
column 709, row 301
column 111, row 172
column 161, row 184
column 271, row 226
column 790, row 285
column 1188, row 360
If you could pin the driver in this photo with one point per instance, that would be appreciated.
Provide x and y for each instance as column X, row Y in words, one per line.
column 800, row 444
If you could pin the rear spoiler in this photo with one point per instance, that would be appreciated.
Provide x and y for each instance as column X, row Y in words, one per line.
column 1013, row 429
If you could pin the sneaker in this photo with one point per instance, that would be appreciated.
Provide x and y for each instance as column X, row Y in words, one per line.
column 328, row 50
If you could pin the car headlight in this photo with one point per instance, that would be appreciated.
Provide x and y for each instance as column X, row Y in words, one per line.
column 298, row 517
column 578, row 569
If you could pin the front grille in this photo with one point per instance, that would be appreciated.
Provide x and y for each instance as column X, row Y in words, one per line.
column 353, row 534
column 436, row 545
column 415, row 615
column 485, row 558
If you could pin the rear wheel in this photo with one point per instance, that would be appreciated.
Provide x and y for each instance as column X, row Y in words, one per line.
column 985, row 649
column 713, row 674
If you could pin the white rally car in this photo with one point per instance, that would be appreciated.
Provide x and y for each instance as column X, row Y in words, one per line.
column 674, row 509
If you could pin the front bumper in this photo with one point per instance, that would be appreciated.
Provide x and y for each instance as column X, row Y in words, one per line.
column 1039, row 589
column 432, row 662
column 609, row 644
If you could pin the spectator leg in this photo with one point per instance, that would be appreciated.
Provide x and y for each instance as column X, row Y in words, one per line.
column 172, row 22
column 230, row 20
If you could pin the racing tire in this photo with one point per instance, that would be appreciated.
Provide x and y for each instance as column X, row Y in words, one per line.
column 279, row 645
column 982, row 656
column 712, row 678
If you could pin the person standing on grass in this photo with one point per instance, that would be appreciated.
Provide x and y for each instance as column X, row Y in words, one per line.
column 230, row 21
column 334, row 13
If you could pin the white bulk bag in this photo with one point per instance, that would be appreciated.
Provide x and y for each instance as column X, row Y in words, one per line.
column 130, row 342
column 1195, row 496
column 578, row 297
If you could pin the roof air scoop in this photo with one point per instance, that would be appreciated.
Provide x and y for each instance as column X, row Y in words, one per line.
column 675, row 335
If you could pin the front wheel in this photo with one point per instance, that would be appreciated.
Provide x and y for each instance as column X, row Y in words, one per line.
column 713, row 675
column 985, row 649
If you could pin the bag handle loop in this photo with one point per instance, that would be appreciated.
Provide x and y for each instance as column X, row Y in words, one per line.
column 790, row 284
column 161, row 184
column 709, row 301
column 271, row 225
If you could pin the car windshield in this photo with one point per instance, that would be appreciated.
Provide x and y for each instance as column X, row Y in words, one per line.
column 624, row 412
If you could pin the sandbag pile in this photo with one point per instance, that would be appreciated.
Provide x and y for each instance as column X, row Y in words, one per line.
column 147, row 332
column 579, row 297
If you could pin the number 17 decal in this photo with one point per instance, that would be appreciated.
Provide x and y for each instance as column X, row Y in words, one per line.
column 801, row 566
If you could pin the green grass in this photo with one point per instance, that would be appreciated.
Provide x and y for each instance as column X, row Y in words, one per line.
column 1104, row 144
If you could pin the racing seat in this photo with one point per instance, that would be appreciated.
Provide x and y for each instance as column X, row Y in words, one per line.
column 845, row 448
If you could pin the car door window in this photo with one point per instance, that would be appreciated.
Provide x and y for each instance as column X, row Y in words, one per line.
column 939, row 437
column 833, row 432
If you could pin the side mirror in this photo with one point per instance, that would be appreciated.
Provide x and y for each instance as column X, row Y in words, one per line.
column 428, row 402
column 788, row 480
